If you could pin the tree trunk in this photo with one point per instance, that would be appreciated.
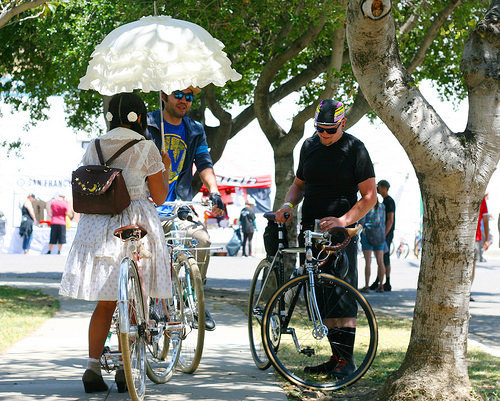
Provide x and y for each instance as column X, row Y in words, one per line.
column 453, row 170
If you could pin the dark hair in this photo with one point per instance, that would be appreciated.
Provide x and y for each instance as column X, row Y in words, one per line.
column 124, row 111
column 384, row 183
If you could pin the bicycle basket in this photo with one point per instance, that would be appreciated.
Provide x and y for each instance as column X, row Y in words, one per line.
column 179, row 237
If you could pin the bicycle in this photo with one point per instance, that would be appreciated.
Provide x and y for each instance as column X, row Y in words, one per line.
column 403, row 249
column 417, row 244
column 293, row 331
column 148, row 342
column 183, row 251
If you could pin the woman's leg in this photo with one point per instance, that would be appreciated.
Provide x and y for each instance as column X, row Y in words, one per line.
column 368, row 260
column 99, row 327
column 249, row 238
column 379, row 255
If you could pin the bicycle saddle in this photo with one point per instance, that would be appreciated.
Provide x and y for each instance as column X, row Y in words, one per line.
column 126, row 232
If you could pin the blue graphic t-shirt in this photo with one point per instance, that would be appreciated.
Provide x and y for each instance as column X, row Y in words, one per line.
column 175, row 144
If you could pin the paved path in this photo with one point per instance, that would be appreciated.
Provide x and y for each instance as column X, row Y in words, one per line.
column 48, row 364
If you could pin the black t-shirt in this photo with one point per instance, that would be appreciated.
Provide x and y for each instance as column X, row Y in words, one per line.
column 332, row 174
column 247, row 219
column 390, row 206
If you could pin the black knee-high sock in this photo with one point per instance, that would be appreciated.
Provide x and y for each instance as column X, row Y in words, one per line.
column 342, row 342
column 333, row 339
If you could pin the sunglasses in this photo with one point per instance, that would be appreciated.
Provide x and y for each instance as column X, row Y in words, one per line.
column 330, row 131
column 179, row 95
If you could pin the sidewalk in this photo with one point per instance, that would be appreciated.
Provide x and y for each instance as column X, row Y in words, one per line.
column 49, row 363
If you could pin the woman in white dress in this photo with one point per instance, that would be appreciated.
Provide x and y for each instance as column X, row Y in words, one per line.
column 93, row 264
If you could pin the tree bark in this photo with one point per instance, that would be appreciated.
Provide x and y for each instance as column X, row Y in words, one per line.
column 453, row 170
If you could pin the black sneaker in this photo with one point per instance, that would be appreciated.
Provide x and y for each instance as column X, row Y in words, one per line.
column 325, row 367
column 374, row 286
column 387, row 287
column 209, row 321
column 343, row 369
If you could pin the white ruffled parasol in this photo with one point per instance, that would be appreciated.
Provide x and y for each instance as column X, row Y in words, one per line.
column 157, row 53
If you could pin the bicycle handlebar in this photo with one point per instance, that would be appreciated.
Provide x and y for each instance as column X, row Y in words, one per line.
column 348, row 234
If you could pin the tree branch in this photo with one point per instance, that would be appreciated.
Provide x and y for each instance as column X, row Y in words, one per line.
column 12, row 10
column 431, row 34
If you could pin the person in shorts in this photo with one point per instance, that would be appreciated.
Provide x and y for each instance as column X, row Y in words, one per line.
column 333, row 167
column 57, row 210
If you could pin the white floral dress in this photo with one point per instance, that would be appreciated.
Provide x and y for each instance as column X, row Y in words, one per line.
column 93, row 264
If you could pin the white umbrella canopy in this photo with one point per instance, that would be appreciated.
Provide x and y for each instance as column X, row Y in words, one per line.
column 157, row 53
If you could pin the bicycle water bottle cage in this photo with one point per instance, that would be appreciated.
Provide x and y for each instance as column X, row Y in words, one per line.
column 184, row 213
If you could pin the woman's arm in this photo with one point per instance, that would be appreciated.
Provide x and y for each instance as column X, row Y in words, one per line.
column 158, row 183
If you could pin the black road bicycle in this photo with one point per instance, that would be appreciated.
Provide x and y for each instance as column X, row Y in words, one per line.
column 286, row 326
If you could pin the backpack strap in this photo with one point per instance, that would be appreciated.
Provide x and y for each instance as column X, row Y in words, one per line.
column 117, row 153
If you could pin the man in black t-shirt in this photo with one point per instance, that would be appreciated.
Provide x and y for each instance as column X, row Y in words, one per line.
column 333, row 167
column 390, row 223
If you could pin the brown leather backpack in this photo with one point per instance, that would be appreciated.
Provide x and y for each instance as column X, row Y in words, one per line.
column 100, row 189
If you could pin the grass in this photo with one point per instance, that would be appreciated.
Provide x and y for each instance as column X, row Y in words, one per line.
column 394, row 335
column 22, row 312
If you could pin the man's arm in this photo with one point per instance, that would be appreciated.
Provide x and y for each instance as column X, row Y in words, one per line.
column 389, row 222
column 486, row 226
column 368, row 190
column 293, row 197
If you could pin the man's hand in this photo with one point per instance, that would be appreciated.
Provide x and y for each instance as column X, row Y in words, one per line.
column 218, row 208
column 280, row 214
column 486, row 245
column 329, row 222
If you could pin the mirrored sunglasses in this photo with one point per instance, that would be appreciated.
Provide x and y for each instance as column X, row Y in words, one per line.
column 179, row 95
column 330, row 131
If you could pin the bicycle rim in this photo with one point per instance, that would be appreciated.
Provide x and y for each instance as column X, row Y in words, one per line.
column 166, row 337
column 263, row 285
column 194, row 313
column 292, row 355
column 132, row 326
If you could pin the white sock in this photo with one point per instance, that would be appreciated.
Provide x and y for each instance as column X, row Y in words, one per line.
column 94, row 365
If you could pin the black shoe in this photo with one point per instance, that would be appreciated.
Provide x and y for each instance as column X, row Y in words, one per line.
column 325, row 367
column 387, row 287
column 209, row 321
column 93, row 382
column 121, row 383
column 58, row 252
column 374, row 286
column 343, row 369
column 48, row 253
column 472, row 299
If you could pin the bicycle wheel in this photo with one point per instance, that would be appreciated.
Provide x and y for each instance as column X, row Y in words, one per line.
column 132, row 326
column 166, row 335
column 302, row 344
column 194, row 313
column 418, row 248
column 405, row 250
column 264, row 284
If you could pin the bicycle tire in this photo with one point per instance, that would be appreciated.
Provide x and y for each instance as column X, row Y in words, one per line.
column 194, row 312
column 164, row 350
column 132, row 325
column 418, row 248
column 264, row 284
column 405, row 250
column 286, row 357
